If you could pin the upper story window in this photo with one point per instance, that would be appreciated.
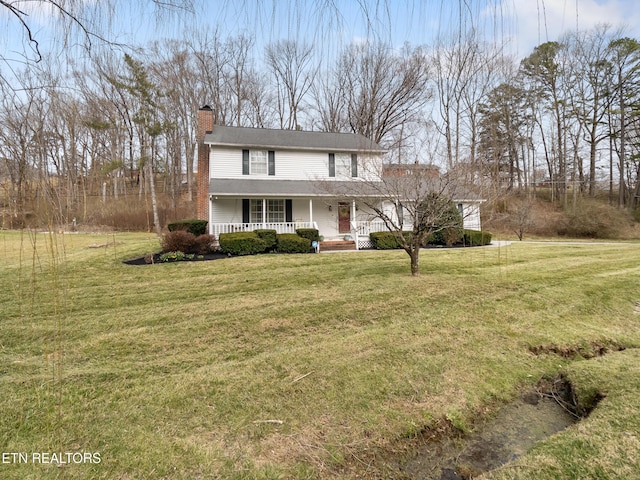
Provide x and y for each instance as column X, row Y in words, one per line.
column 258, row 162
column 343, row 165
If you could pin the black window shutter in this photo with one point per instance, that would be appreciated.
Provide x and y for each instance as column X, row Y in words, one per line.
column 245, row 210
column 272, row 162
column 288, row 210
column 332, row 165
column 245, row 162
column 354, row 164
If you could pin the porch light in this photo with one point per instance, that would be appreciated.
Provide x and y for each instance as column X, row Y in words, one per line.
column 330, row 207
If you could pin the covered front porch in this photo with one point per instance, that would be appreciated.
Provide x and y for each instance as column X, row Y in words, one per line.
column 334, row 218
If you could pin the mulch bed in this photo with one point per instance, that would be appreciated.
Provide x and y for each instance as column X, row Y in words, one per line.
column 155, row 259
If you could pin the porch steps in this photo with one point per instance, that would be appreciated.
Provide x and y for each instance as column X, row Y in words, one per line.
column 336, row 245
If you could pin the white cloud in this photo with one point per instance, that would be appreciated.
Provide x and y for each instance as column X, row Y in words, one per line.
column 539, row 21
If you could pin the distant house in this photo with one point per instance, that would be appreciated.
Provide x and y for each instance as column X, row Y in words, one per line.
column 253, row 178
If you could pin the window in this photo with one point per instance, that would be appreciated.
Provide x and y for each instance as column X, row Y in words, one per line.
column 343, row 165
column 275, row 211
column 258, row 162
column 256, row 211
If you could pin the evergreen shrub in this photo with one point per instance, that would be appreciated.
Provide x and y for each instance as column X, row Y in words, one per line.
column 453, row 232
column 292, row 243
column 268, row 236
column 311, row 233
column 241, row 243
column 476, row 238
column 387, row 240
column 196, row 227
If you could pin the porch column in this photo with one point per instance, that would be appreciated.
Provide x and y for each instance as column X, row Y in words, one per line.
column 354, row 222
column 353, row 212
column 210, row 215
column 264, row 213
column 310, row 212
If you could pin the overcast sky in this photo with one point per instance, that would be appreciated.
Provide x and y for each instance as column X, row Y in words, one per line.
column 331, row 24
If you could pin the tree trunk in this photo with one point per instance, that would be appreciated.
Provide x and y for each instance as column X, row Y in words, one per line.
column 415, row 262
column 592, row 161
column 621, row 191
column 413, row 249
column 154, row 202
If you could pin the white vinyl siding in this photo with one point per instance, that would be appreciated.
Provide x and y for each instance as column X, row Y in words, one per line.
column 471, row 216
column 292, row 165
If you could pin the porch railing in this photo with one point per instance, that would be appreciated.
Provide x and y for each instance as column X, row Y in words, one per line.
column 367, row 227
column 280, row 227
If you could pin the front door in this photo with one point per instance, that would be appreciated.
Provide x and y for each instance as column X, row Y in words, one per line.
column 344, row 218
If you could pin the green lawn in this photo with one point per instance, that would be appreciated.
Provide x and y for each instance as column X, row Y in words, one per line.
column 304, row 366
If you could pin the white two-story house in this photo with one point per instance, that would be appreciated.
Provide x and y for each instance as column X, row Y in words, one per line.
column 254, row 178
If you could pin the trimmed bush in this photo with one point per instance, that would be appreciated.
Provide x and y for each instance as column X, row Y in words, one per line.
column 204, row 244
column 292, row 243
column 178, row 241
column 476, row 238
column 387, row 240
column 453, row 231
column 311, row 233
column 241, row 243
column 446, row 237
column 269, row 238
column 196, row 227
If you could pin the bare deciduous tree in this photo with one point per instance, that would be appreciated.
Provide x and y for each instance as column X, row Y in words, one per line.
column 384, row 90
column 414, row 201
column 292, row 75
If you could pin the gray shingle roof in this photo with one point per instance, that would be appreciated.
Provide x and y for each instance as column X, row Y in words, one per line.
column 233, row 187
column 292, row 188
column 290, row 140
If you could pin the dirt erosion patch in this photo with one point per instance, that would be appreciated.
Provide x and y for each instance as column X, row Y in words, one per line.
column 516, row 428
column 593, row 349
column 445, row 453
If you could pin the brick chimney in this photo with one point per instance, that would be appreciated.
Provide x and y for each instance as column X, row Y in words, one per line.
column 205, row 125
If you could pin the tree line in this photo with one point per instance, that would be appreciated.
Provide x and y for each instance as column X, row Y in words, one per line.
column 564, row 118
